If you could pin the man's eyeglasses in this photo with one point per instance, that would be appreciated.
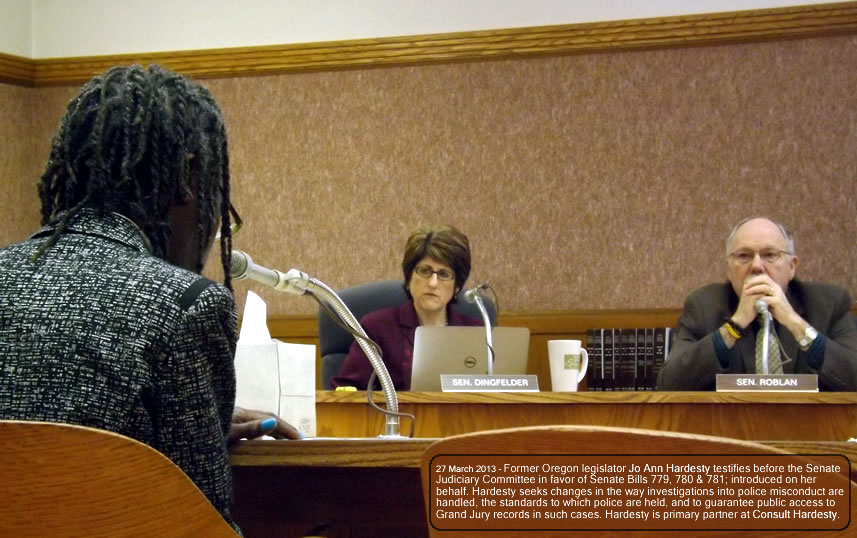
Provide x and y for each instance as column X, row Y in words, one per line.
column 426, row 272
column 235, row 223
column 743, row 257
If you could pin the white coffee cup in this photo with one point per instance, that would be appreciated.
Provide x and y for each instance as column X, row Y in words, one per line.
column 568, row 361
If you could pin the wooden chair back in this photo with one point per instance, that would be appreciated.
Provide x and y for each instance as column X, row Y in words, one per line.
column 66, row 480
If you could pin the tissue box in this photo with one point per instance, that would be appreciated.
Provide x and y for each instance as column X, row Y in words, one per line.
column 278, row 377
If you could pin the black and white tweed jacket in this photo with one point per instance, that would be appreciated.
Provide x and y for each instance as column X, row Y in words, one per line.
column 101, row 333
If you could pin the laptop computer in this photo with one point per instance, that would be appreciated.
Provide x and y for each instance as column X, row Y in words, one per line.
column 462, row 350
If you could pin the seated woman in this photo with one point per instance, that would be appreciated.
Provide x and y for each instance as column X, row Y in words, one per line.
column 436, row 266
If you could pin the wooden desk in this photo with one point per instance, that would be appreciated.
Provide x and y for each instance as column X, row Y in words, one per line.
column 824, row 416
column 371, row 487
column 363, row 488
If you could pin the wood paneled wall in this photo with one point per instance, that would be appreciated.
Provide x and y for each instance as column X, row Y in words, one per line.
column 684, row 30
column 587, row 177
column 19, row 166
column 603, row 181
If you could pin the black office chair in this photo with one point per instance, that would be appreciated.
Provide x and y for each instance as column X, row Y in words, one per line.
column 362, row 299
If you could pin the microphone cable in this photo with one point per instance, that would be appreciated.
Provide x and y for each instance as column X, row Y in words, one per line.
column 371, row 401
column 369, row 387
column 496, row 300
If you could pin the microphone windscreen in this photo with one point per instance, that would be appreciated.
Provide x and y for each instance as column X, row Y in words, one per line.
column 471, row 295
column 238, row 263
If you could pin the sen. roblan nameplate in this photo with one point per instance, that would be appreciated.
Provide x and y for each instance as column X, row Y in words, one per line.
column 767, row 383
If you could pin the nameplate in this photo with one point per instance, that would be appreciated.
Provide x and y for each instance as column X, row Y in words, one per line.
column 767, row 383
column 488, row 383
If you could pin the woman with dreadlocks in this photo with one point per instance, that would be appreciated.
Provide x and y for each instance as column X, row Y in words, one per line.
column 105, row 320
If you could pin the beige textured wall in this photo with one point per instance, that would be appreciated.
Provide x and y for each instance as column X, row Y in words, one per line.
column 584, row 182
column 18, row 202
column 28, row 119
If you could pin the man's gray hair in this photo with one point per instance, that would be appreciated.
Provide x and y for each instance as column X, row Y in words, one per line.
column 790, row 240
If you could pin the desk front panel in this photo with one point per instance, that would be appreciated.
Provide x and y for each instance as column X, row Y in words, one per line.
column 372, row 488
column 756, row 417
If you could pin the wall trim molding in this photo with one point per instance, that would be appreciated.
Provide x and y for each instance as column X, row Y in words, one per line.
column 678, row 31
column 559, row 324
column 549, row 323
column 17, row 70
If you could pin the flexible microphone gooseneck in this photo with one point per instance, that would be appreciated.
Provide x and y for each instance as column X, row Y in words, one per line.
column 475, row 296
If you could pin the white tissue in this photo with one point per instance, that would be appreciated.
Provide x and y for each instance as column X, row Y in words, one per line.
column 272, row 376
column 254, row 324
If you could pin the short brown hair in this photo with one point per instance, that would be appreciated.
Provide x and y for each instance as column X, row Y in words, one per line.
column 442, row 243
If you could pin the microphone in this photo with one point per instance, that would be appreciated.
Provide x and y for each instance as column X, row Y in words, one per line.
column 241, row 266
column 472, row 295
column 762, row 309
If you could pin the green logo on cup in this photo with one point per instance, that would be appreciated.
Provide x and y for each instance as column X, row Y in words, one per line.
column 572, row 362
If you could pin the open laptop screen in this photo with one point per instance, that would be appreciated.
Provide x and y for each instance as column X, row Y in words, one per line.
column 462, row 350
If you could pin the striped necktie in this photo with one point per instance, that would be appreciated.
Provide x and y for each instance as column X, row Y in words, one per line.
column 775, row 363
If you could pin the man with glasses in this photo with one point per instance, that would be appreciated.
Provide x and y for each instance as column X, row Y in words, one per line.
column 813, row 329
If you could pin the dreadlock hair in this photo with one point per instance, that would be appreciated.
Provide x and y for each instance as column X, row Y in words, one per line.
column 134, row 141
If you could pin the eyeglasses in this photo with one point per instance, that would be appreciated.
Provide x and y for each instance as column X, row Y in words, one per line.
column 426, row 272
column 743, row 257
column 235, row 223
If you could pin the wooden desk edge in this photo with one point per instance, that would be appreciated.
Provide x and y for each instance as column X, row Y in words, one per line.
column 594, row 397
column 373, row 452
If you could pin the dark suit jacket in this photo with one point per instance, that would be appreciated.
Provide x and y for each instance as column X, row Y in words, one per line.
column 393, row 329
column 692, row 362
column 99, row 332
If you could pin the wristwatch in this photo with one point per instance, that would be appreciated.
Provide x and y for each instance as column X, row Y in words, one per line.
column 808, row 337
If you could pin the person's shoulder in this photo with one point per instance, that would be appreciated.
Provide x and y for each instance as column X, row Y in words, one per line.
column 14, row 252
column 818, row 289
column 170, row 275
column 180, row 286
column 203, row 293
column 457, row 318
column 813, row 285
column 385, row 315
column 710, row 291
